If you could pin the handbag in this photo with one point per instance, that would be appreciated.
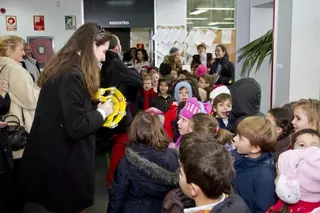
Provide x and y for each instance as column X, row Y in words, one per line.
column 16, row 133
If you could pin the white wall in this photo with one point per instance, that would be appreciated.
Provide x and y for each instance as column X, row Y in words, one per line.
column 53, row 16
column 170, row 12
column 305, row 47
column 260, row 23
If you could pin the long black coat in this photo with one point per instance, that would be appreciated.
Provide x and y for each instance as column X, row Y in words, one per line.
column 58, row 162
column 114, row 73
column 142, row 180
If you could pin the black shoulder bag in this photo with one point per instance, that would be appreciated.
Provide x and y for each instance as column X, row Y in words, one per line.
column 17, row 134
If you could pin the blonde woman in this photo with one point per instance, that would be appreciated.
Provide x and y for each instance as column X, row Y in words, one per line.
column 22, row 90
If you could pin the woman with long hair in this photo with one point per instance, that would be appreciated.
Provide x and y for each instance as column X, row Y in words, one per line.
column 57, row 173
column 222, row 68
column 143, row 58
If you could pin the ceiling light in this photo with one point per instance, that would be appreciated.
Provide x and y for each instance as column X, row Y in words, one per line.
column 215, row 8
column 189, row 22
column 120, row 3
column 197, row 19
column 217, row 23
column 229, row 19
column 199, row 11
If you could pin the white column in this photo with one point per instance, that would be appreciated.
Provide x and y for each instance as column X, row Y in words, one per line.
column 296, row 50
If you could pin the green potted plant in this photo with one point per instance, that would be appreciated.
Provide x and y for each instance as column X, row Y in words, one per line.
column 254, row 53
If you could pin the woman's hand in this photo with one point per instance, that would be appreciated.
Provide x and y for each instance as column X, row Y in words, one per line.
column 107, row 107
column 4, row 85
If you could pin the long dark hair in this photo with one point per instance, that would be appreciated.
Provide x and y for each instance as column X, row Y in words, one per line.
column 144, row 53
column 224, row 49
column 80, row 42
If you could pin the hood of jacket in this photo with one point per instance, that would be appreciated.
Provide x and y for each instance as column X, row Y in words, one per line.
column 242, row 162
column 154, row 171
column 246, row 97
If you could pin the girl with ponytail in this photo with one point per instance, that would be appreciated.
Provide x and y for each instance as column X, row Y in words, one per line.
column 207, row 123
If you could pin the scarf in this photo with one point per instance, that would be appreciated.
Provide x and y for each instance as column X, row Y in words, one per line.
column 147, row 96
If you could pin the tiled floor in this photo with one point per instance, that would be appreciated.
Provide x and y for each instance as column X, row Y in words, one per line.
column 101, row 196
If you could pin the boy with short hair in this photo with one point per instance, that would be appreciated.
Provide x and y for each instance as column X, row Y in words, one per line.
column 206, row 173
column 254, row 163
column 201, row 48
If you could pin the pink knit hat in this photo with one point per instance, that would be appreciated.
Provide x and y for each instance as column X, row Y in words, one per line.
column 193, row 106
column 202, row 69
column 302, row 167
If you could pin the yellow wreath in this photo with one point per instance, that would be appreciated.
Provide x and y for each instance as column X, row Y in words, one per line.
column 119, row 105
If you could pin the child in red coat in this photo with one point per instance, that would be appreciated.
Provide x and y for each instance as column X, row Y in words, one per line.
column 146, row 94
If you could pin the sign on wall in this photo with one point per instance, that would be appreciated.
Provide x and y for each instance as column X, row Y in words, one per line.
column 42, row 48
column 70, row 22
column 11, row 23
column 38, row 23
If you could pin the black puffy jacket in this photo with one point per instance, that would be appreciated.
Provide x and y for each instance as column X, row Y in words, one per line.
column 142, row 180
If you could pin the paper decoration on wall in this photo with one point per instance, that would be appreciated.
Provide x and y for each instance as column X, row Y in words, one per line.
column 190, row 38
column 70, row 22
column 11, row 23
column 226, row 36
column 38, row 23
column 159, row 36
column 182, row 36
column 42, row 48
column 211, row 49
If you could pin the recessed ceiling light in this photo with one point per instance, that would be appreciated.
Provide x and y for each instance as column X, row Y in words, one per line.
column 215, row 8
column 197, row 19
column 217, row 23
column 199, row 11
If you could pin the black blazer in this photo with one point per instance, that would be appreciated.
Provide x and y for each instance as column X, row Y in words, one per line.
column 58, row 162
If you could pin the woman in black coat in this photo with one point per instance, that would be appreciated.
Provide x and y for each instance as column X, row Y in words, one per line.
column 147, row 172
column 222, row 68
column 58, row 163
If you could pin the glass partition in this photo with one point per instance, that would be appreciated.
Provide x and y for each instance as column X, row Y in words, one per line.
column 210, row 14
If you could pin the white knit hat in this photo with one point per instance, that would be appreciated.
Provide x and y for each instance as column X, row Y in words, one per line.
column 219, row 90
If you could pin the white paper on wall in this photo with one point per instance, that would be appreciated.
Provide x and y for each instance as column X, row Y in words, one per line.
column 159, row 36
column 198, row 36
column 211, row 49
column 182, row 36
column 179, row 46
column 166, row 37
column 192, row 50
column 190, row 39
column 164, row 48
column 209, row 36
column 226, row 36
column 186, row 67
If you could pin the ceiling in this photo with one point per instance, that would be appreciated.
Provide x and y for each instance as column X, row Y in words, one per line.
column 210, row 13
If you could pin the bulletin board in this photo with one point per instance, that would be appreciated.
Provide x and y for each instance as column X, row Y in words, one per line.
column 231, row 48
column 187, row 42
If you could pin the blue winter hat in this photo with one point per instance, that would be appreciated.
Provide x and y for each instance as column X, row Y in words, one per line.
column 177, row 88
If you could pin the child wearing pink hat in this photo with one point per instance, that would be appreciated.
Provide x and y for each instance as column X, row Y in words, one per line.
column 201, row 69
column 298, row 181
column 192, row 107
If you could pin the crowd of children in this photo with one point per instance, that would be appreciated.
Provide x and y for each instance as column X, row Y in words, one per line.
column 217, row 153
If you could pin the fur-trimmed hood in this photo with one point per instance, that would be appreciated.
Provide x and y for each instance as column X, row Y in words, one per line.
column 154, row 171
